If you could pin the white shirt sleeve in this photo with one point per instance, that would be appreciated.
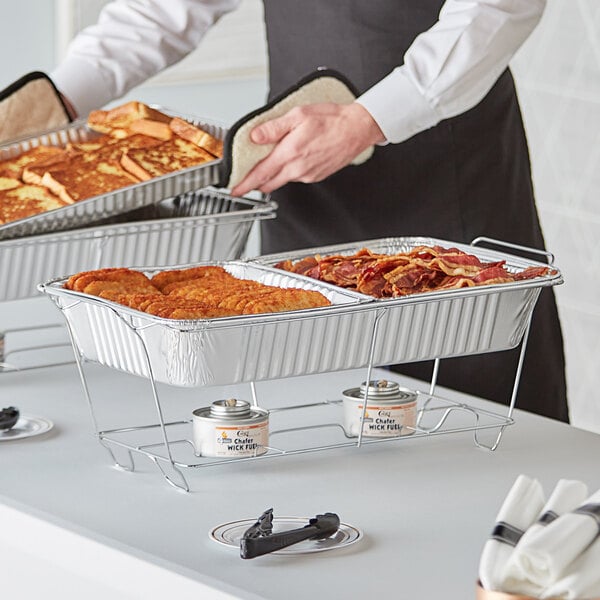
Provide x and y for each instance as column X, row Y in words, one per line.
column 449, row 68
column 132, row 41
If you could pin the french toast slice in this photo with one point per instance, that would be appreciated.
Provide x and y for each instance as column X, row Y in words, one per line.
column 165, row 158
column 118, row 120
column 26, row 200
column 77, row 179
column 197, row 136
column 113, row 152
column 34, row 173
column 74, row 148
column 85, row 157
column 8, row 183
column 13, row 167
column 155, row 129
column 108, row 148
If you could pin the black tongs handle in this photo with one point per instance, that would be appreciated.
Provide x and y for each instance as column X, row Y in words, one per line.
column 259, row 540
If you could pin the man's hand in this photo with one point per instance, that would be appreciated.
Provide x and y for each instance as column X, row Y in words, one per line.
column 312, row 142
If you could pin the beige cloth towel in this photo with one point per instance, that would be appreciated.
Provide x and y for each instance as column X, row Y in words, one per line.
column 30, row 105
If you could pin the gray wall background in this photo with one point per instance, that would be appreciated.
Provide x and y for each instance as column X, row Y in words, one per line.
column 26, row 38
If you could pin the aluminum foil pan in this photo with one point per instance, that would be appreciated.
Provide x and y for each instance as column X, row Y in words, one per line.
column 447, row 323
column 203, row 225
column 252, row 348
column 220, row 351
column 107, row 205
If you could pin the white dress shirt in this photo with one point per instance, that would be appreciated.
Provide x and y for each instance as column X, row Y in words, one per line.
column 447, row 70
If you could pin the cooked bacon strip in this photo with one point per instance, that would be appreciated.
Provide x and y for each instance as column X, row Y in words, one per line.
column 493, row 273
column 344, row 272
column 531, row 272
column 412, row 279
column 456, row 282
column 308, row 266
column 422, row 269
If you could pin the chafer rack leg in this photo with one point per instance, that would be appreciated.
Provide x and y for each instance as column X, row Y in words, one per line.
column 9, row 365
column 435, row 416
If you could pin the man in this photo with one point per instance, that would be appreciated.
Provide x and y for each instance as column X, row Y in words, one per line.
column 436, row 96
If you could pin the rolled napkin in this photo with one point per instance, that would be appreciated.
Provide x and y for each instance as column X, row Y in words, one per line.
column 519, row 510
column 581, row 579
column 566, row 496
column 548, row 553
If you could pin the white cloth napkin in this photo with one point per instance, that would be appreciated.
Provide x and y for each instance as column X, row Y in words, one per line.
column 581, row 579
column 566, row 496
column 547, row 554
column 519, row 510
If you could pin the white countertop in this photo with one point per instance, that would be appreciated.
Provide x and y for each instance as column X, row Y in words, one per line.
column 69, row 520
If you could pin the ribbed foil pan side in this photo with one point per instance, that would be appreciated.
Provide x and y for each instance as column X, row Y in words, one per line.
column 107, row 205
column 198, row 226
column 451, row 327
column 221, row 351
column 451, row 323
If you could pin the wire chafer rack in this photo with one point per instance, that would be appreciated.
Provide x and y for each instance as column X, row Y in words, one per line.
column 356, row 331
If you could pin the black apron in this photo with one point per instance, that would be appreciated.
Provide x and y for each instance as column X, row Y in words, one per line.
column 466, row 177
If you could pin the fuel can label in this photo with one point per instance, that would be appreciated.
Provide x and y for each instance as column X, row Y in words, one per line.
column 387, row 421
column 241, row 441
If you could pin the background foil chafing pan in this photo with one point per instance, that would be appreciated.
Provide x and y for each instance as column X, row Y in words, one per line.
column 446, row 323
column 257, row 347
column 108, row 205
column 204, row 225
column 219, row 351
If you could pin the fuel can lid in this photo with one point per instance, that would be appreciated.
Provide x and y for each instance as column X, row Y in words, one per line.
column 382, row 389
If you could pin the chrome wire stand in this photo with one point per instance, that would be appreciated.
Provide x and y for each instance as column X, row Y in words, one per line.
column 439, row 410
column 6, row 366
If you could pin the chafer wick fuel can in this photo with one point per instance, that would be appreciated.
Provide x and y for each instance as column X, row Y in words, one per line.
column 230, row 428
column 391, row 409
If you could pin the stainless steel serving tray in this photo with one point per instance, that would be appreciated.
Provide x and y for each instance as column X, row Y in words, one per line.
column 447, row 323
column 106, row 205
column 208, row 224
column 219, row 351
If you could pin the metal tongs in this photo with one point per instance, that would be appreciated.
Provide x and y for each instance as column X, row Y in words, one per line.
column 260, row 539
column 8, row 418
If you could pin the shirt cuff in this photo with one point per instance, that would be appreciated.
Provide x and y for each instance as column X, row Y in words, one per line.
column 398, row 107
column 81, row 85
